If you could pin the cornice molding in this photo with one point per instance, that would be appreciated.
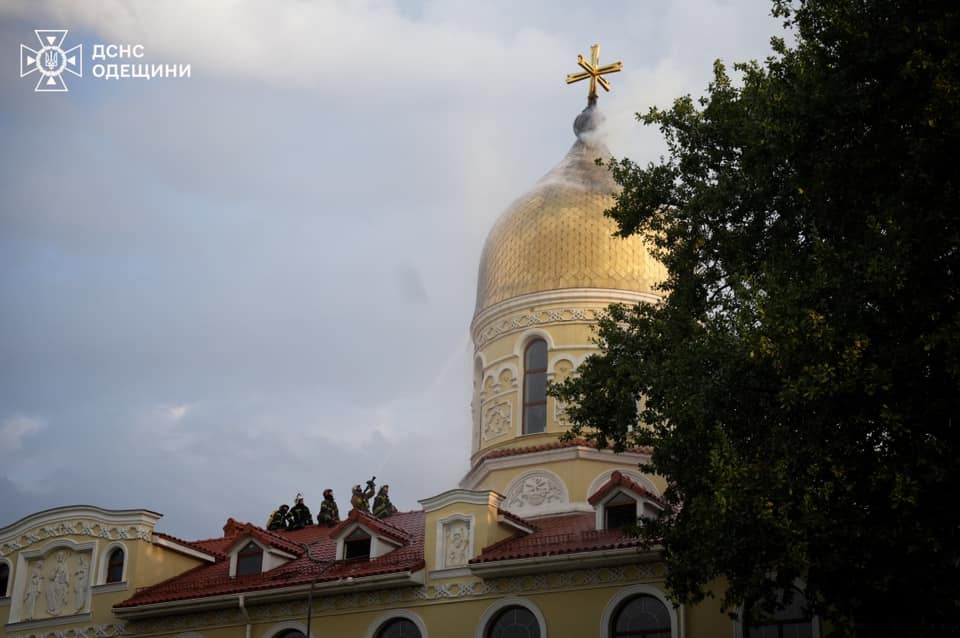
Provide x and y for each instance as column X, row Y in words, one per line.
column 55, row 515
column 464, row 496
column 584, row 305
column 479, row 472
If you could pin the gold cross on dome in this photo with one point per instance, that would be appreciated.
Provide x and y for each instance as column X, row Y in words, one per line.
column 594, row 71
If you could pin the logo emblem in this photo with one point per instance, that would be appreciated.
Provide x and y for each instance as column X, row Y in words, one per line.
column 51, row 60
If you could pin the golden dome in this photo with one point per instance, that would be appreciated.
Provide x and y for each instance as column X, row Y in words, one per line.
column 556, row 236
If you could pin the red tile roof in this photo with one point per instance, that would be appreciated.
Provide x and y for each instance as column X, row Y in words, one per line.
column 516, row 519
column 617, row 479
column 316, row 564
column 553, row 445
column 568, row 534
column 194, row 545
column 238, row 531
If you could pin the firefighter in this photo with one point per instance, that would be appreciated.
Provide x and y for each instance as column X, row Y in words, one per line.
column 329, row 512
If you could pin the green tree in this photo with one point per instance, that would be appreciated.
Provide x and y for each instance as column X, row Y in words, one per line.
column 800, row 381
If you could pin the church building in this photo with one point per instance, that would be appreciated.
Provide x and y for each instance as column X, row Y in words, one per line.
column 530, row 543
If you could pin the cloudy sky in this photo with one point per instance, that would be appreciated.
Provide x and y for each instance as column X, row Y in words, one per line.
column 216, row 292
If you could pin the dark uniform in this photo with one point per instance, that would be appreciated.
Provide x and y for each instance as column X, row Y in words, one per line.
column 329, row 512
column 382, row 506
column 300, row 515
column 278, row 519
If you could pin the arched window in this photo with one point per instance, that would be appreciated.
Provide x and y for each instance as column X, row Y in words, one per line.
column 514, row 622
column 4, row 579
column 249, row 559
column 641, row 616
column 290, row 633
column 399, row 628
column 115, row 566
column 535, row 387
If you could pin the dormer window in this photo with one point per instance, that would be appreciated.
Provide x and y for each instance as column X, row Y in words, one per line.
column 356, row 545
column 620, row 512
column 621, row 502
column 249, row 559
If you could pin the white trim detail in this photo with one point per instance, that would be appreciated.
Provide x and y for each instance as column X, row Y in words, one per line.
column 183, row 549
column 479, row 472
column 510, row 601
column 190, row 634
column 676, row 619
column 392, row 614
column 633, row 475
column 599, row 296
column 527, row 337
column 467, row 497
column 272, row 557
column 104, row 563
column 379, row 544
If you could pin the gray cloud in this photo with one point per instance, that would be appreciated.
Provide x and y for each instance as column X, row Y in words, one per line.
column 217, row 292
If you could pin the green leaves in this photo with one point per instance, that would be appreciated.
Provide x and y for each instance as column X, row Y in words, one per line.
column 800, row 381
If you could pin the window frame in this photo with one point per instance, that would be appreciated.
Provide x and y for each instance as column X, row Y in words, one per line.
column 381, row 621
column 644, row 633
column 492, row 612
column 677, row 628
column 109, row 564
column 527, row 373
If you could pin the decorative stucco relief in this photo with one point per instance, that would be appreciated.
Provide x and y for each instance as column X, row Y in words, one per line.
column 58, row 585
column 90, row 631
column 535, row 490
column 529, row 318
column 496, row 420
column 76, row 528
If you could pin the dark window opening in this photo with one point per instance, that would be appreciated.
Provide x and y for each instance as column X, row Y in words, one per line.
column 250, row 560
column 4, row 579
column 356, row 545
column 399, row 628
column 535, row 387
column 115, row 566
column 641, row 617
column 620, row 512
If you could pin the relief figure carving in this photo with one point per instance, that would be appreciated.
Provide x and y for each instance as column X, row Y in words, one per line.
column 496, row 420
column 81, row 578
column 456, row 537
column 33, row 591
column 59, row 584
